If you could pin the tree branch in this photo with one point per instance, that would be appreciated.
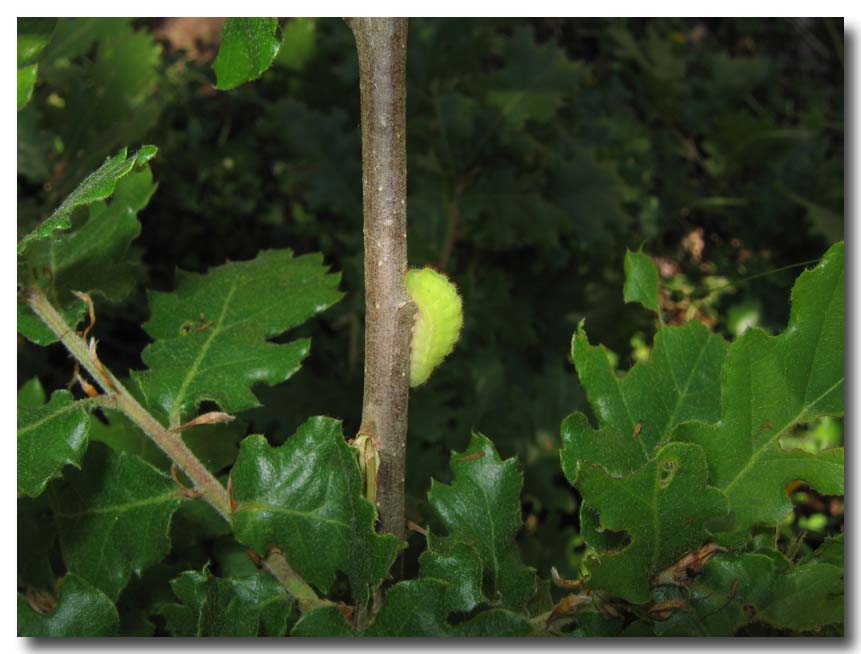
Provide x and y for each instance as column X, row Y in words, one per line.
column 170, row 442
column 389, row 314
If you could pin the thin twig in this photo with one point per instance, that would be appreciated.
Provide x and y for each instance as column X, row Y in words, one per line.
column 172, row 445
column 117, row 397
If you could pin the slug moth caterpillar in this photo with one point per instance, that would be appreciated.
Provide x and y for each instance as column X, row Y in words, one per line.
column 438, row 321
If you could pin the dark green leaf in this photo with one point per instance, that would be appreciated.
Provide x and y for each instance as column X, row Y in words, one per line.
column 196, row 522
column 211, row 333
column 770, row 384
column 92, row 258
column 638, row 411
column 663, row 504
column 215, row 445
column 831, row 551
column 591, row 624
column 31, row 326
column 323, row 622
column 641, row 280
column 139, row 601
column 609, row 448
column 418, row 608
column 31, row 395
column 481, row 512
column 248, row 46
column 665, row 507
column 305, row 497
column 122, row 435
column 413, row 608
column 805, row 598
column 738, row 589
column 50, row 437
column 81, row 611
column 227, row 607
column 494, row 623
column 98, row 186
column 542, row 602
column 36, row 538
column 113, row 517
column 481, row 508
column 458, row 565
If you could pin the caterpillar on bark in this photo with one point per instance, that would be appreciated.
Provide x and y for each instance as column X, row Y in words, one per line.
column 438, row 321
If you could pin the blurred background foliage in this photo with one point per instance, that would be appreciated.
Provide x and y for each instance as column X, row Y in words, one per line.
column 538, row 151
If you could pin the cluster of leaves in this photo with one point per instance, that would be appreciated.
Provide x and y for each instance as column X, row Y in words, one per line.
column 686, row 461
column 103, row 524
column 87, row 529
column 537, row 149
column 96, row 92
column 685, row 526
column 689, row 448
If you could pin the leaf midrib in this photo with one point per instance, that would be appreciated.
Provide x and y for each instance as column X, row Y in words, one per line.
column 683, row 393
column 819, row 328
column 768, row 443
column 804, row 407
column 192, row 372
column 274, row 508
column 125, row 507
column 74, row 406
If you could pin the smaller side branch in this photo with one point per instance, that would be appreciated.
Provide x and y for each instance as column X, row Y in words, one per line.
column 172, row 445
column 117, row 397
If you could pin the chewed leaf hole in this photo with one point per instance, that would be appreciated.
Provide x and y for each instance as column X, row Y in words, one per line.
column 667, row 471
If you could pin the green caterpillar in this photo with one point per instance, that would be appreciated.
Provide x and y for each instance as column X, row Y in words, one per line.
column 438, row 321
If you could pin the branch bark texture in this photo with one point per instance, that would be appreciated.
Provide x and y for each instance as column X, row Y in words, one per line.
column 209, row 488
column 389, row 313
